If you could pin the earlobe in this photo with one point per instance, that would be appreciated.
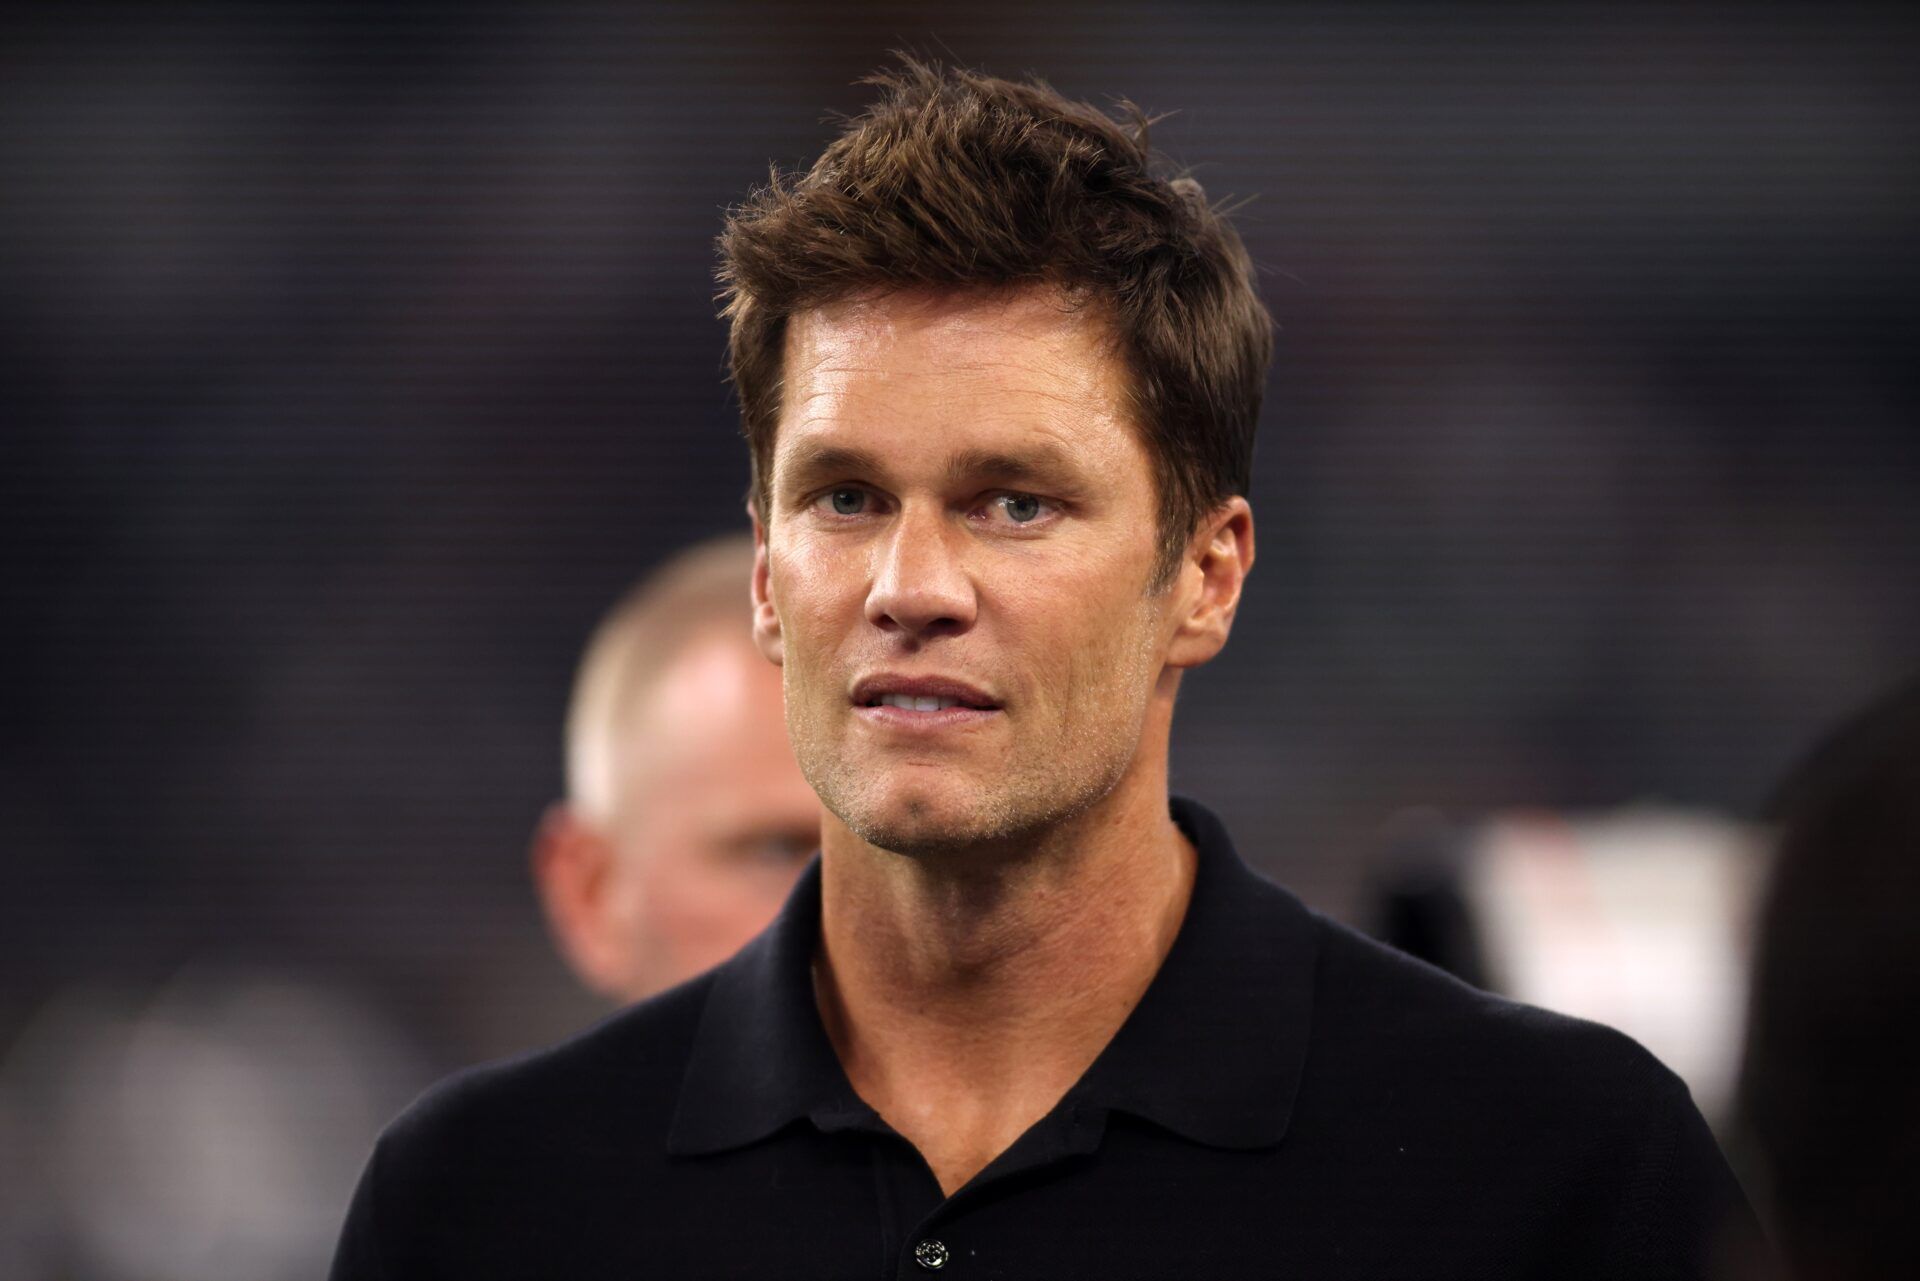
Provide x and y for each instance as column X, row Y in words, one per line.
column 1215, row 570
column 766, row 619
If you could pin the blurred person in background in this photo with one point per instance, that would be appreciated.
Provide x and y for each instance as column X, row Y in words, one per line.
column 686, row 819
column 1829, row 1098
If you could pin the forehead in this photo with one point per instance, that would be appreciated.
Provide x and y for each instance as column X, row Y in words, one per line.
column 1009, row 372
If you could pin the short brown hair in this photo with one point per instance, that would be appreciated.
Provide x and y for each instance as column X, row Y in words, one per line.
column 956, row 180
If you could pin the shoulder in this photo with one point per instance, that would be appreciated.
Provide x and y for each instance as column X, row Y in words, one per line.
column 1383, row 1017
column 1409, row 1068
column 519, row 1141
column 613, row 1083
column 1502, row 1121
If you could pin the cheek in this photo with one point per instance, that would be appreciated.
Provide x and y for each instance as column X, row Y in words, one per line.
column 1101, row 645
column 812, row 588
column 1109, row 666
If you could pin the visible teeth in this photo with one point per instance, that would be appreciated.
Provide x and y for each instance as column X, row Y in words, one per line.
column 909, row 702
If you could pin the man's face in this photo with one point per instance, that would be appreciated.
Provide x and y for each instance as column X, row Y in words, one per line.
column 715, row 820
column 959, row 510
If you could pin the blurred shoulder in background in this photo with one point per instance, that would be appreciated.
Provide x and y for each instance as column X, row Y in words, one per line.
column 1829, row 1097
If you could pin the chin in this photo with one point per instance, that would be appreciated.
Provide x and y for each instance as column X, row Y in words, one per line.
column 925, row 818
column 917, row 820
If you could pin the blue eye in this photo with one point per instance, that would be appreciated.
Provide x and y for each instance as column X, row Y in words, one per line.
column 848, row 502
column 1021, row 509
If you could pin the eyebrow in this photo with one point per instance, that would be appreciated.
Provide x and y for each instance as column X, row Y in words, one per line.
column 813, row 462
column 1044, row 464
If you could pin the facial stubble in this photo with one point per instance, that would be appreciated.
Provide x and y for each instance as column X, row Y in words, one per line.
column 1032, row 788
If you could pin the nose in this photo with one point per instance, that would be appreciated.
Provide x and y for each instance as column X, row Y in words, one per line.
column 921, row 587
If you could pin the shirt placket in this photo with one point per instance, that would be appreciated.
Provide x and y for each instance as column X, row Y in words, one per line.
column 941, row 1242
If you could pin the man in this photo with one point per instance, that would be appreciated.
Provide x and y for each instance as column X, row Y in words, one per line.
column 686, row 819
column 1025, row 1018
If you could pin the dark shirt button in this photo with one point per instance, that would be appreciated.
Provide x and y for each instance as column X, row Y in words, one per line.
column 931, row 1255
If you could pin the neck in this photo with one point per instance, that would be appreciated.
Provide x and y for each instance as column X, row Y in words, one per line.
column 964, row 997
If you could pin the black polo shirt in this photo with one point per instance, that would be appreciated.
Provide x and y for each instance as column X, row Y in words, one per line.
column 1289, row 1099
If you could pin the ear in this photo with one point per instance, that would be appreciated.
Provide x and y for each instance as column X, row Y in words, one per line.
column 766, row 620
column 573, row 865
column 1207, row 587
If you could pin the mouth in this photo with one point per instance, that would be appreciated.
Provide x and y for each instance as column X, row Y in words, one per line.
column 922, row 702
column 912, row 703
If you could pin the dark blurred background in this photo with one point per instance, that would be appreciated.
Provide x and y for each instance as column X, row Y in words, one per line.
column 354, row 357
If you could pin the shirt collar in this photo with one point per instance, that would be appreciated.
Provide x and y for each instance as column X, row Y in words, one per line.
column 761, row 1057
column 1213, row 1051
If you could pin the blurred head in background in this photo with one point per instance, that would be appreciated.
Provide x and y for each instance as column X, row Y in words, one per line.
column 1830, row 1088
column 686, row 819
